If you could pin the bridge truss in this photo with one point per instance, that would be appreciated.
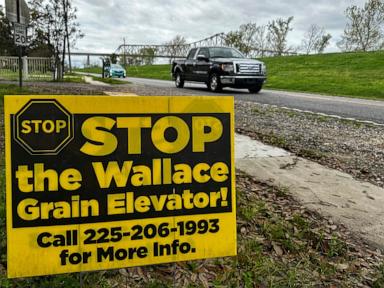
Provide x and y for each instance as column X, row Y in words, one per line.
column 167, row 51
column 128, row 52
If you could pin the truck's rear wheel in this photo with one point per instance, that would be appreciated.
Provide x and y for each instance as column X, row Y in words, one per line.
column 214, row 84
column 179, row 81
column 255, row 89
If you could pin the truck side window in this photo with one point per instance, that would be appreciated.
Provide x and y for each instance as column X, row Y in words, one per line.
column 204, row 52
column 191, row 54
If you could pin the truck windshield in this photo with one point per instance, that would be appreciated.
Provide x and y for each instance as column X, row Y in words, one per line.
column 225, row 53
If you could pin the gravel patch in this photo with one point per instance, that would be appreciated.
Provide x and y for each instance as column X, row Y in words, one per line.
column 66, row 88
column 87, row 89
column 350, row 146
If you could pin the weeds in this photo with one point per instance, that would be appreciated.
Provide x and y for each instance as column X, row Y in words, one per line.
column 379, row 282
column 336, row 247
column 311, row 154
column 275, row 140
column 259, row 111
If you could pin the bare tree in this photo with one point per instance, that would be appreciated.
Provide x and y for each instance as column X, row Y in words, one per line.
column 261, row 40
column 7, row 46
column 52, row 17
column 277, row 34
column 249, row 31
column 72, row 28
column 55, row 27
column 243, row 39
column 113, row 58
column 364, row 29
column 233, row 39
column 248, row 39
column 148, row 55
column 175, row 47
column 311, row 36
column 323, row 43
column 315, row 39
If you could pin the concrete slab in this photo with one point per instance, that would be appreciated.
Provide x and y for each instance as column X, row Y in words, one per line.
column 93, row 82
column 113, row 93
column 245, row 147
column 358, row 205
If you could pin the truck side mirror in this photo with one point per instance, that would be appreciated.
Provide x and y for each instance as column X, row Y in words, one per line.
column 202, row 58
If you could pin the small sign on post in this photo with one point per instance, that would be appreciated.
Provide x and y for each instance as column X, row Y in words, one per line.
column 20, row 35
column 17, row 12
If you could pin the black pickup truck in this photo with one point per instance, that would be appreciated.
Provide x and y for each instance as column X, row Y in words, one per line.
column 219, row 67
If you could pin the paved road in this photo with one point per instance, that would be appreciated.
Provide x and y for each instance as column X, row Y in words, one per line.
column 366, row 110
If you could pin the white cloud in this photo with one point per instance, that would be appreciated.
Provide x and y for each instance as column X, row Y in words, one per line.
column 106, row 23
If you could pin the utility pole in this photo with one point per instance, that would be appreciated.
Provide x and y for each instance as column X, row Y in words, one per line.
column 124, row 56
column 64, row 3
column 17, row 13
column 67, row 34
column 20, row 47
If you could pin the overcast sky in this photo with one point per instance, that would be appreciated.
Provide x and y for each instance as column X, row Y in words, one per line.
column 106, row 22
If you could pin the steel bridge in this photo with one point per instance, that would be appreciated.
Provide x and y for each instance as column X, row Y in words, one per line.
column 168, row 51
column 180, row 51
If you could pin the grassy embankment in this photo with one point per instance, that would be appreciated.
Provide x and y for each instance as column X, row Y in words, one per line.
column 346, row 74
column 350, row 74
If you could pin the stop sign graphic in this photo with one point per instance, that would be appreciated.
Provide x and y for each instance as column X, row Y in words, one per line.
column 43, row 127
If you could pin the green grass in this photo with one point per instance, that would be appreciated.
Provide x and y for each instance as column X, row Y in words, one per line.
column 6, row 74
column 10, row 89
column 112, row 81
column 350, row 74
column 72, row 79
column 379, row 282
column 95, row 69
column 154, row 72
column 150, row 71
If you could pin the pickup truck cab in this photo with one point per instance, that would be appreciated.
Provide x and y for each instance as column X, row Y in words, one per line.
column 219, row 67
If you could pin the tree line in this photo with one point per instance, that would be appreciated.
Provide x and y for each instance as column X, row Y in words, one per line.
column 364, row 31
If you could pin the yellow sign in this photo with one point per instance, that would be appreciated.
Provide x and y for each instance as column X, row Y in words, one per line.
column 98, row 182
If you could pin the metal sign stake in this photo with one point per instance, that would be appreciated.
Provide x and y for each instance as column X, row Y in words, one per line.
column 20, row 48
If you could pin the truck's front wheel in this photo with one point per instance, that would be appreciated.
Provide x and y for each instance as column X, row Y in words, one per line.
column 255, row 89
column 179, row 81
column 214, row 84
